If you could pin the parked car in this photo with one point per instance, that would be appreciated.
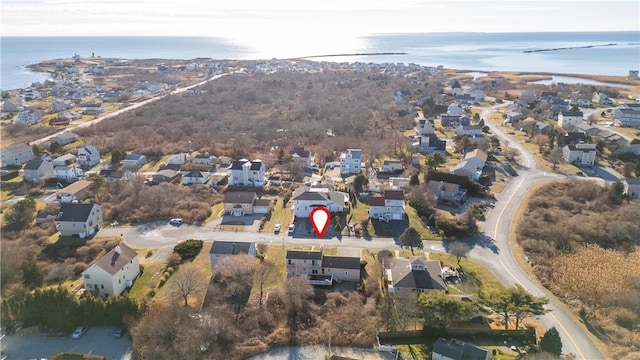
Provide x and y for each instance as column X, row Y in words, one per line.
column 276, row 228
column 291, row 228
column 176, row 222
column 80, row 330
column 119, row 332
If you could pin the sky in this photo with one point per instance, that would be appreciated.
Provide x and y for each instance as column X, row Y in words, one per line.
column 260, row 20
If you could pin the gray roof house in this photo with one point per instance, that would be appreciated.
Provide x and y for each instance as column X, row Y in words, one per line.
column 416, row 274
column 322, row 269
column 79, row 220
column 222, row 249
column 37, row 170
column 134, row 160
column 457, row 350
column 16, row 154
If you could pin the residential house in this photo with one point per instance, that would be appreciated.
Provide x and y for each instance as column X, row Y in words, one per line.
column 548, row 96
column 414, row 275
column 32, row 94
column 37, row 170
column 302, row 156
column 589, row 130
column 457, row 350
column 178, row 159
column 574, row 137
column 88, row 156
column 466, row 99
column 388, row 207
column 392, row 166
column 92, row 108
column 112, row 273
column 196, row 177
column 134, row 160
column 628, row 116
column 67, row 172
column 600, row 98
column 65, row 138
column 240, row 203
column 558, row 105
column 399, row 182
column 570, row 118
column 65, row 118
column 29, row 117
column 543, row 128
column 430, row 144
column 80, row 220
column 471, row 130
column 77, row 191
column 454, row 121
column 613, row 140
column 306, row 198
column 16, row 154
column 64, row 160
column 116, row 175
column 60, row 105
column 632, row 149
column 471, row 165
column 247, row 173
column 514, row 116
column 322, row 269
column 351, row 161
column 631, row 187
column 165, row 175
column 203, row 159
column 14, row 104
column 221, row 249
column 444, row 192
column 424, row 126
column 583, row 154
column 455, row 110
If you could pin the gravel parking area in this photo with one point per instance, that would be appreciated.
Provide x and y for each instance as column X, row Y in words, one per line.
column 97, row 340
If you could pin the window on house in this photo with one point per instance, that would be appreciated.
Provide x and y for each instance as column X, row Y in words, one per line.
column 119, row 281
column 346, row 273
column 314, row 271
column 101, row 286
column 86, row 276
column 90, row 223
column 313, row 262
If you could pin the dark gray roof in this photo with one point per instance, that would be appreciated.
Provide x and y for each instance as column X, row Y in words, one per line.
column 195, row 174
column 300, row 151
column 305, row 255
column 33, row 164
column 256, row 165
column 341, row 262
column 133, row 157
column 239, row 197
column 262, row 202
column 632, row 181
column 18, row 148
column 237, row 165
column 404, row 277
column 74, row 212
column 572, row 113
column 230, row 247
column 458, row 350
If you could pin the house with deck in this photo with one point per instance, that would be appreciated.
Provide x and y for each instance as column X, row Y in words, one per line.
column 322, row 269
column 444, row 192
column 581, row 154
column 351, row 161
column 247, row 173
column 306, row 198
column 88, row 156
column 391, row 206
column 416, row 274
column 113, row 273
column 471, row 165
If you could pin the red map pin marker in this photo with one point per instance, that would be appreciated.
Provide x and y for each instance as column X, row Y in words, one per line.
column 320, row 220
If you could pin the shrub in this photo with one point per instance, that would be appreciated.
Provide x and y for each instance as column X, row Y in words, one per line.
column 79, row 267
column 188, row 249
column 166, row 275
column 148, row 254
column 174, row 259
column 169, row 270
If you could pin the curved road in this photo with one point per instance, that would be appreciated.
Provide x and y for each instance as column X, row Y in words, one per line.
column 499, row 257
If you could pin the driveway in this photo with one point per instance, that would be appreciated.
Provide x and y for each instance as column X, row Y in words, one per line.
column 97, row 340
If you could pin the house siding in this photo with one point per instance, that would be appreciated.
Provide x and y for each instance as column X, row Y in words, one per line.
column 105, row 284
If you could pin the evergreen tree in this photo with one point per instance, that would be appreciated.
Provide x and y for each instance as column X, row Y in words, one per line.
column 551, row 342
column 411, row 237
column 32, row 275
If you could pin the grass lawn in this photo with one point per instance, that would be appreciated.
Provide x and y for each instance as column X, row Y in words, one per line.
column 358, row 213
column 216, row 210
column 496, row 118
column 634, row 133
column 147, row 281
column 202, row 262
column 153, row 166
column 279, row 215
column 415, row 221
column 475, row 272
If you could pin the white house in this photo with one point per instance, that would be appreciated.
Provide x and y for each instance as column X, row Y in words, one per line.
column 37, row 170
column 134, row 160
column 583, row 154
column 570, row 118
column 88, row 156
column 222, row 249
column 631, row 187
column 388, row 207
column 302, row 156
column 29, row 117
column 322, row 269
column 351, row 161
column 203, row 159
column 16, row 154
column 79, row 220
column 599, row 98
column 471, row 130
column 306, row 198
column 455, row 110
column 13, row 104
column 414, row 275
column 628, row 116
column 60, row 105
column 178, row 159
column 196, row 177
column 424, row 126
column 247, row 173
column 471, row 165
column 391, row 166
column 457, row 350
column 92, row 108
column 68, row 172
column 112, row 273
column 64, row 160
column 65, row 138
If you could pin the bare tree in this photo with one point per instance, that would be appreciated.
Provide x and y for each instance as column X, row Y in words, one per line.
column 459, row 250
column 236, row 273
column 555, row 156
column 266, row 271
column 59, row 272
column 540, row 140
column 297, row 291
column 187, row 281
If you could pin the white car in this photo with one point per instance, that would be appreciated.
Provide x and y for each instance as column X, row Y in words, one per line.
column 291, row 228
column 276, row 228
column 80, row 330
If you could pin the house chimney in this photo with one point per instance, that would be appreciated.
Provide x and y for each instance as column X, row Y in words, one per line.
column 118, row 250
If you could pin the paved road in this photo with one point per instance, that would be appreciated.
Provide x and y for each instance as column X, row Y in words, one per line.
column 498, row 257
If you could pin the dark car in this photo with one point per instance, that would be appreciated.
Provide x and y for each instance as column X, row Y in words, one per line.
column 119, row 332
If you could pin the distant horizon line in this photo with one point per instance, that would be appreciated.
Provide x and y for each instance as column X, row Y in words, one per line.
column 358, row 35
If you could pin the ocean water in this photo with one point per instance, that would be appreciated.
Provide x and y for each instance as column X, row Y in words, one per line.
column 470, row 51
